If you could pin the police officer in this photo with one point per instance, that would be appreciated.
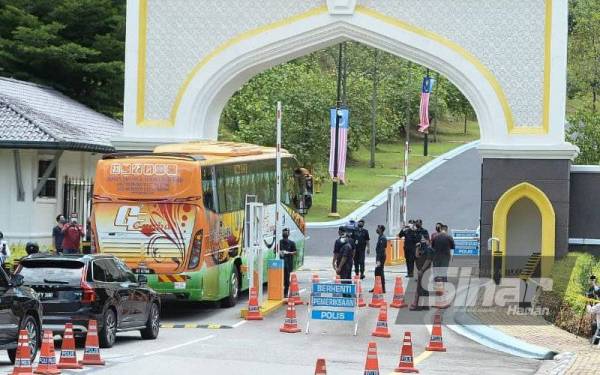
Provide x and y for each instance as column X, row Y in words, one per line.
column 337, row 246
column 361, row 243
column 343, row 263
column 409, row 234
column 380, row 256
column 287, row 250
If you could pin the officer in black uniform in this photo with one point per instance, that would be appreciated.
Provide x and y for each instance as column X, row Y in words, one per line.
column 380, row 256
column 409, row 234
column 361, row 243
column 343, row 265
column 337, row 246
column 287, row 250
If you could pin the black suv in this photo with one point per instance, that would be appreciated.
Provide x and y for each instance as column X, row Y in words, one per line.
column 77, row 288
column 19, row 309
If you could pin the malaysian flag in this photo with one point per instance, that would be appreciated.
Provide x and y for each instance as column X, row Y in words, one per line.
column 342, row 143
column 426, row 89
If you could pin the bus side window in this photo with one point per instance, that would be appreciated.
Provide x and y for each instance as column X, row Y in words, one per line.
column 208, row 189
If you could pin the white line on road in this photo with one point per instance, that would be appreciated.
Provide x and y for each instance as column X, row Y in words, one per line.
column 239, row 323
column 180, row 345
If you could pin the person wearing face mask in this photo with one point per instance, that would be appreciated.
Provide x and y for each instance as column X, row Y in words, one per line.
column 287, row 251
column 409, row 233
column 337, row 246
column 361, row 241
column 380, row 256
column 343, row 264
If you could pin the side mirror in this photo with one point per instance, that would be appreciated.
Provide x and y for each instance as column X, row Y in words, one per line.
column 16, row 280
column 142, row 279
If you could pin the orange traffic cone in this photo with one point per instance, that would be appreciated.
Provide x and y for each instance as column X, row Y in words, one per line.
column 435, row 342
column 68, row 355
column 290, row 325
column 406, row 356
column 253, row 308
column 361, row 301
column 294, row 292
column 372, row 363
column 377, row 298
column 381, row 329
column 23, row 357
column 47, row 363
column 320, row 368
column 91, row 353
column 398, row 301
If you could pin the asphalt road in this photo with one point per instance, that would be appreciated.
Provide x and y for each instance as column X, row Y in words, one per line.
column 259, row 348
column 449, row 194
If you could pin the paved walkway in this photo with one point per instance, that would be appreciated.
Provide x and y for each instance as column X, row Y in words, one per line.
column 535, row 330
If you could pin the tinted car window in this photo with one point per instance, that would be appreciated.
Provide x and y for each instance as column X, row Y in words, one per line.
column 112, row 272
column 51, row 272
column 129, row 276
column 98, row 272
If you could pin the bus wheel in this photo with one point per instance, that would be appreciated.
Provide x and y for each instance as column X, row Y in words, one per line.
column 234, row 289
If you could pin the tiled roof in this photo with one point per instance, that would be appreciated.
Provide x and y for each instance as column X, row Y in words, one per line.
column 34, row 116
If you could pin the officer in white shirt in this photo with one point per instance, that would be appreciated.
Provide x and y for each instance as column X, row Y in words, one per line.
column 4, row 249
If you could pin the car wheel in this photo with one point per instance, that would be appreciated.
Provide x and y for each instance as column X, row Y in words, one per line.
column 108, row 333
column 30, row 324
column 153, row 323
column 234, row 289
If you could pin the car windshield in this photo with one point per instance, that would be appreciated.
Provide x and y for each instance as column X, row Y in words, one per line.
column 51, row 272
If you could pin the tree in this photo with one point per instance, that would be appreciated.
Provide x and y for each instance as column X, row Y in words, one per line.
column 459, row 105
column 584, row 131
column 75, row 46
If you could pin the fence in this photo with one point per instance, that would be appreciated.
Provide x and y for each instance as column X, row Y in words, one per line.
column 77, row 199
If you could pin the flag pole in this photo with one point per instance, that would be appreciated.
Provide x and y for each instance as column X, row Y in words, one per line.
column 334, row 187
column 426, row 132
column 278, row 180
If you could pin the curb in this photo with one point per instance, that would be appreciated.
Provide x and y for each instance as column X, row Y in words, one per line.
column 381, row 198
column 470, row 327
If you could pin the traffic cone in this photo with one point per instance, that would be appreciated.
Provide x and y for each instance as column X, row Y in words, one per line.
column 294, row 292
column 253, row 308
column 23, row 357
column 91, row 353
column 320, row 368
column 377, row 298
column 68, row 355
column 440, row 296
column 436, row 343
column 398, row 301
column 406, row 356
column 381, row 329
column 361, row 302
column 47, row 362
column 290, row 325
column 372, row 363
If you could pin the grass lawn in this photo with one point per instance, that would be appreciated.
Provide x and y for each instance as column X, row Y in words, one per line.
column 363, row 183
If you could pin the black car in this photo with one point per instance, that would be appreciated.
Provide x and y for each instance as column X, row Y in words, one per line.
column 77, row 288
column 19, row 309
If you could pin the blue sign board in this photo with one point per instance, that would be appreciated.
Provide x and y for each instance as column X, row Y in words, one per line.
column 345, row 114
column 334, row 288
column 332, row 302
column 332, row 315
column 465, row 234
column 466, row 242
column 274, row 263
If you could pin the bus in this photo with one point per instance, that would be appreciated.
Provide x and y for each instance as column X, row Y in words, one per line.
column 178, row 214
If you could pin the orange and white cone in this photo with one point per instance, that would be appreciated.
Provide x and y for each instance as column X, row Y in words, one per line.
column 372, row 363
column 320, row 368
column 253, row 308
column 47, row 362
column 290, row 325
column 398, row 301
column 23, row 356
column 361, row 302
column 436, row 344
column 294, row 292
column 91, row 352
column 381, row 329
column 406, row 356
column 377, row 298
column 68, row 355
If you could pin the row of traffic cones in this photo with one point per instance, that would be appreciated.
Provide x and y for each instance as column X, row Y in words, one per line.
column 68, row 358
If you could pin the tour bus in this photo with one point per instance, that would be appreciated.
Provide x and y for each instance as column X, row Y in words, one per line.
column 178, row 214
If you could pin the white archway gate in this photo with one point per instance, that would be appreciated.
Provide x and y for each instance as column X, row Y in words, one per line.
column 185, row 58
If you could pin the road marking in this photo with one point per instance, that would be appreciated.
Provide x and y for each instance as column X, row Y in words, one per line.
column 180, row 345
column 195, row 325
column 423, row 356
column 239, row 323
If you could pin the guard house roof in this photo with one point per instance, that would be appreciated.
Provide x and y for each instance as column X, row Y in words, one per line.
column 38, row 117
column 216, row 152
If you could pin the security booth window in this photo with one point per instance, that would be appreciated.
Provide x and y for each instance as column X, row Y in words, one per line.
column 49, row 188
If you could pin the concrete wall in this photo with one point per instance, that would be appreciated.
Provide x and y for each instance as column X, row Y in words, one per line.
column 550, row 176
column 33, row 220
column 584, row 211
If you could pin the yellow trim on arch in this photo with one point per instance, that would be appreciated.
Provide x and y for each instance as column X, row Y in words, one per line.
column 500, row 216
column 170, row 122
